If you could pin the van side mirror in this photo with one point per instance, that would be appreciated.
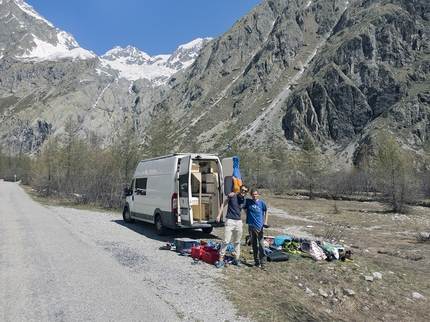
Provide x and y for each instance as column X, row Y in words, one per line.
column 127, row 192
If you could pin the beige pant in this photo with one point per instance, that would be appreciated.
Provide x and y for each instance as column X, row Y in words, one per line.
column 232, row 228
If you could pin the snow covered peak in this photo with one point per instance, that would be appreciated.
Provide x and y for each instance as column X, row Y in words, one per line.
column 186, row 54
column 129, row 54
column 39, row 39
column 134, row 64
column 66, row 47
column 196, row 44
column 66, row 40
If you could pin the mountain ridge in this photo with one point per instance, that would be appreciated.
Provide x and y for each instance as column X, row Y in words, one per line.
column 337, row 71
column 134, row 64
column 54, row 44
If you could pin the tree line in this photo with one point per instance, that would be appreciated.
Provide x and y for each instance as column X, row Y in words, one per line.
column 83, row 171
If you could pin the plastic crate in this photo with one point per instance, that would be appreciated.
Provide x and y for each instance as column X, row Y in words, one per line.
column 185, row 243
column 197, row 252
column 210, row 256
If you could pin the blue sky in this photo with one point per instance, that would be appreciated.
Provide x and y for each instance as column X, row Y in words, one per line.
column 153, row 26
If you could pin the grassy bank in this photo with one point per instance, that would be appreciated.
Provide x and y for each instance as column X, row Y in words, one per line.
column 384, row 283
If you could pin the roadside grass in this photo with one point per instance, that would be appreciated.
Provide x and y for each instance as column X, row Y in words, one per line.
column 62, row 202
column 383, row 245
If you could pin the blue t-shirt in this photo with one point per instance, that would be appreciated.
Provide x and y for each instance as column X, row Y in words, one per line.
column 255, row 213
column 235, row 206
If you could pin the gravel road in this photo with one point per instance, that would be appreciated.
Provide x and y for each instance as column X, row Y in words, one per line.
column 62, row 264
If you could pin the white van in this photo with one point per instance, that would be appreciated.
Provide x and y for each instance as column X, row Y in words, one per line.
column 179, row 191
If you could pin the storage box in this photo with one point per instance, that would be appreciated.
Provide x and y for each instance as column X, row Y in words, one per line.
column 209, row 187
column 194, row 201
column 207, row 177
column 201, row 212
column 197, row 252
column 185, row 243
column 210, row 256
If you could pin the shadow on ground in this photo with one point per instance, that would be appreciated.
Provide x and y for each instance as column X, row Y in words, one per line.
column 148, row 230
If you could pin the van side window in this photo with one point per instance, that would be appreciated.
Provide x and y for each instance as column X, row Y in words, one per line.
column 141, row 186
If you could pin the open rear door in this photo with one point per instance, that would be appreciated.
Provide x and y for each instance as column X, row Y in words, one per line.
column 227, row 169
column 185, row 191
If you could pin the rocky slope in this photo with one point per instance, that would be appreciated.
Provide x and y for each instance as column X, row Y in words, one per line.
column 372, row 73
column 46, row 79
column 334, row 69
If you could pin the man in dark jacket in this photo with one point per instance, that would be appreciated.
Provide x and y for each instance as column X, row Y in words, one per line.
column 233, row 224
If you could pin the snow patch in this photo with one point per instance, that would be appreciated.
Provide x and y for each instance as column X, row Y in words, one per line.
column 46, row 51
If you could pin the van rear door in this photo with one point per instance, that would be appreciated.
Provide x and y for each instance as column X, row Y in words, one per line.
column 185, row 191
column 227, row 169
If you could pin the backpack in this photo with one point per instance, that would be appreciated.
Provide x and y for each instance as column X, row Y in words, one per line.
column 281, row 239
column 316, row 252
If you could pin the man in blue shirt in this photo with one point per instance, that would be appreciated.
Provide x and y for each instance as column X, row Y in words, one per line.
column 233, row 223
column 256, row 218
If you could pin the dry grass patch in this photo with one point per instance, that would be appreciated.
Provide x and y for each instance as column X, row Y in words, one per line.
column 383, row 245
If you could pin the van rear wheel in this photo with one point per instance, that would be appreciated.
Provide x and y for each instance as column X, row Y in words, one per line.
column 207, row 230
column 126, row 216
column 161, row 230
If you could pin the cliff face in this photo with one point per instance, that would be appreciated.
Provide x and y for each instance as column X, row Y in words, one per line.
column 37, row 99
column 337, row 70
column 244, row 77
column 375, row 65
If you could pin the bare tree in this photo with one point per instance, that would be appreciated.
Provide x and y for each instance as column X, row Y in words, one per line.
column 394, row 170
column 126, row 152
column 312, row 165
column 161, row 138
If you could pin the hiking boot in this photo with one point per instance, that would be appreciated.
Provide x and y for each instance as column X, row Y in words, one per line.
column 263, row 267
column 237, row 263
column 219, row 264
column 257, row 265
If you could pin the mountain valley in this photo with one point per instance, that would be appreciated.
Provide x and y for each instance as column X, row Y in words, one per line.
column 337, row 71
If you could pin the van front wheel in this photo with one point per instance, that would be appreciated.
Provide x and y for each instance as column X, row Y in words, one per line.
column 161, row 230
column 126, row 216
